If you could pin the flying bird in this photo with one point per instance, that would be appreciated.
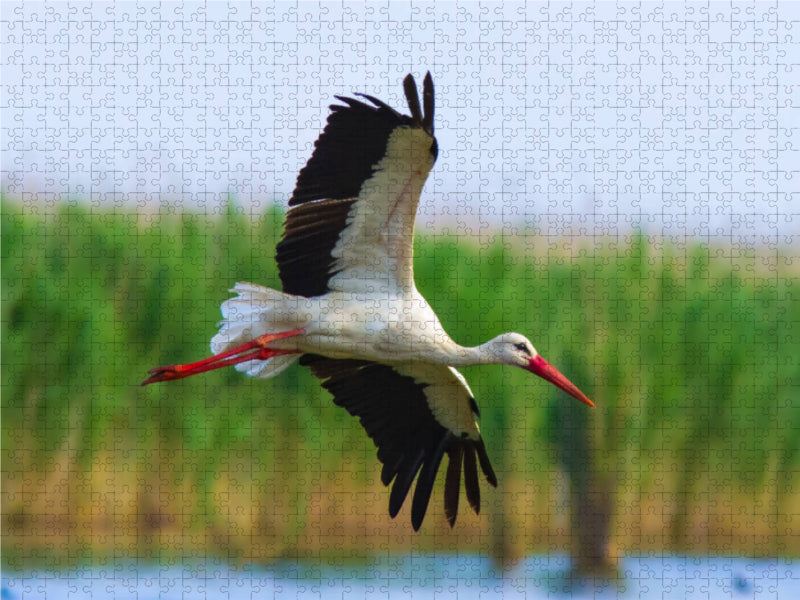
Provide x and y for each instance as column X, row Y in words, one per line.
column 350, row 310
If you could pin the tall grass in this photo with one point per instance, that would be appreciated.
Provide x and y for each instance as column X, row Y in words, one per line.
column 690, row 352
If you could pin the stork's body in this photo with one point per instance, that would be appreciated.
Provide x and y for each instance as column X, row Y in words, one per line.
column 341, row 325
column 351, row 312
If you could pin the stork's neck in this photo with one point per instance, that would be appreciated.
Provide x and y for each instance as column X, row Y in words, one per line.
column 465, row 356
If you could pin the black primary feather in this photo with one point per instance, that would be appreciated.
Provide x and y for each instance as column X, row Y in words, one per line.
column 411, row 443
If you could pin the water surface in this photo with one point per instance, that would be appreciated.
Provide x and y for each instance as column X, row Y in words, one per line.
column 416, row 576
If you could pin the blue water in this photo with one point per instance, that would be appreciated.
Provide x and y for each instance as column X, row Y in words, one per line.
column 418, row 577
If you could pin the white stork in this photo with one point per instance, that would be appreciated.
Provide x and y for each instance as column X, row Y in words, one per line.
column 351, row 312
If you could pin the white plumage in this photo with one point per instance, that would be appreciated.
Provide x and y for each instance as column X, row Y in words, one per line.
column 351, row 312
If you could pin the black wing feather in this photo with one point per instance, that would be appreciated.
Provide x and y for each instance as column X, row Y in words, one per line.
column 486, row 466
column 410, row 88
column 405, row 477
column 452, row 483
column 394, row 412
column 346, row 153
column 427, row 103
column 427, row 476
column 471, row 480
column 309, row 236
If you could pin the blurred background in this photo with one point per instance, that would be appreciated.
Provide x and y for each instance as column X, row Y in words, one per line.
column 619, row 183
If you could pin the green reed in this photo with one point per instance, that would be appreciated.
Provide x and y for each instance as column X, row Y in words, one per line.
column 690, row 351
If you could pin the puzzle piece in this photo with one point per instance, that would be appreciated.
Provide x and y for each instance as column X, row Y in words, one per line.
column 618, row 182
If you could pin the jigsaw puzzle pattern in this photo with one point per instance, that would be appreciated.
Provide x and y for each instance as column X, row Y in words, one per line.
column 144, row 150
column 151, row 104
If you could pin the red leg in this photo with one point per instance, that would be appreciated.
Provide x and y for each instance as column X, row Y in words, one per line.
column 253, row 350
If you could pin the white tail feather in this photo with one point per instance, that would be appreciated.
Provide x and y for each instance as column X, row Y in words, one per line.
column 267, row 368
column 256, row 310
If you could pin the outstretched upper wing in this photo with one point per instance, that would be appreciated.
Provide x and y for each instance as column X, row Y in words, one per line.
column 351, row 223
column 415, row 414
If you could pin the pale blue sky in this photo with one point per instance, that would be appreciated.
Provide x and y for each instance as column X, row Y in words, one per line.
column 573, row 118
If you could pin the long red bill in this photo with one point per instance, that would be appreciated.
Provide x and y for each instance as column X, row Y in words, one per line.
column 546, row 371
column 253, row 350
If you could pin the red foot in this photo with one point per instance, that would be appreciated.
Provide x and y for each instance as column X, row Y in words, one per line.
column 253, row 350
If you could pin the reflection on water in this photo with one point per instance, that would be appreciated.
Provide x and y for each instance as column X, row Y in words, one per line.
column 417, row 576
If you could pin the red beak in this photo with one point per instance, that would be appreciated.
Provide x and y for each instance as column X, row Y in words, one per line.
column 548, row 372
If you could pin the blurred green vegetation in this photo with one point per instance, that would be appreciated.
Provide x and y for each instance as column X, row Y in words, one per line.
column 690, row 353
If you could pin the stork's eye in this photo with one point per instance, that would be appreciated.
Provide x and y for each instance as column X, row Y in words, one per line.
column 522, row 348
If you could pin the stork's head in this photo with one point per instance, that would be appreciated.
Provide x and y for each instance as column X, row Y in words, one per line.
column 515, row 349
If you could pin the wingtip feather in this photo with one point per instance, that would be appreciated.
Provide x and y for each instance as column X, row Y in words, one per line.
column 452, row 483
column 486, row 466
column 471, row 484
column 427, row 102
column 425, row 481
column 403, row 481
column 412, row 96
